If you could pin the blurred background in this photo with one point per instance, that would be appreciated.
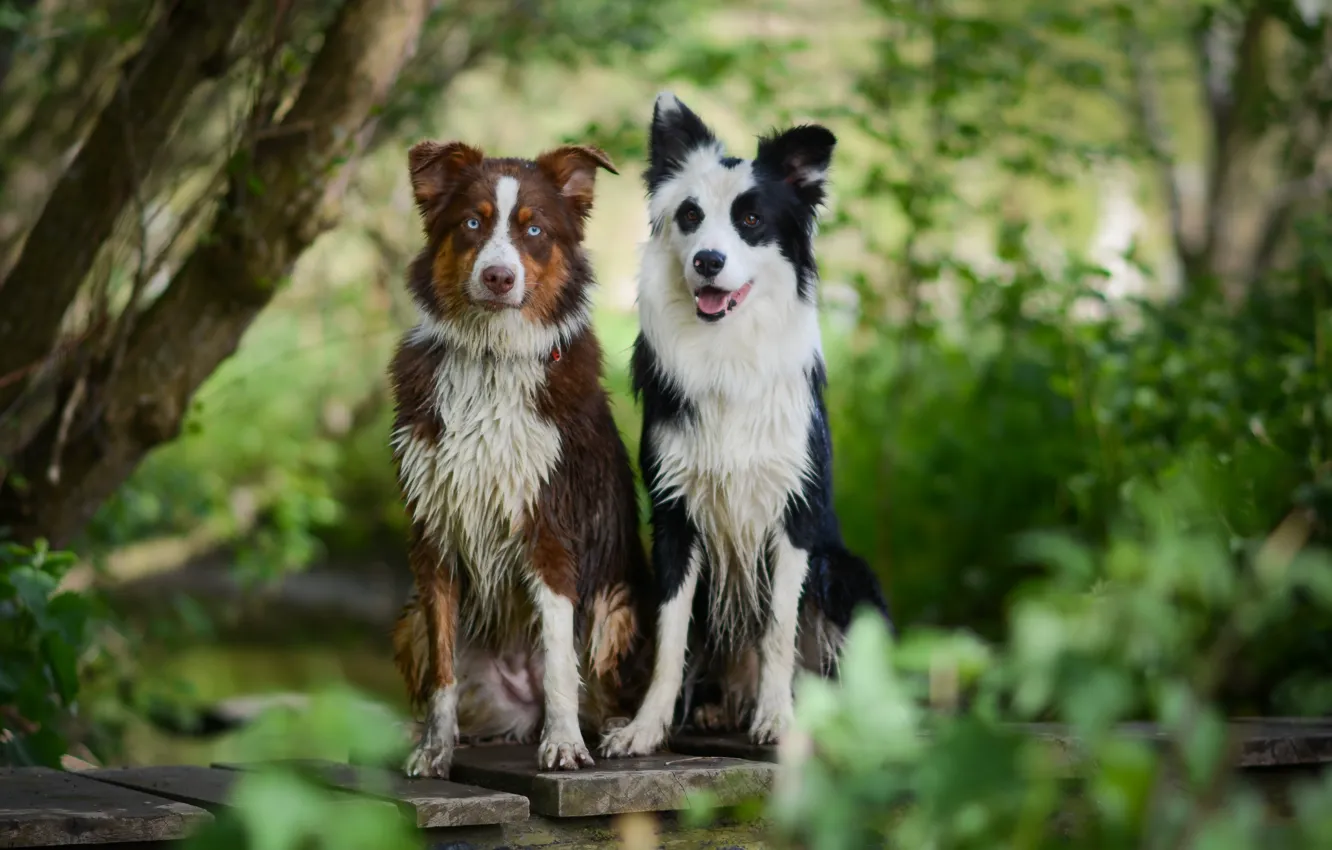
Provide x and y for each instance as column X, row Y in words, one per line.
column 1072, row 251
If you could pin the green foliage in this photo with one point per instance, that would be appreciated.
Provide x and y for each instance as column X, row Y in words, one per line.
column 267, row 444
column 284, row 808
column 1082, row 409
column 981, row 396
column 44, row 633
column 1146, row 628
column 982, row 384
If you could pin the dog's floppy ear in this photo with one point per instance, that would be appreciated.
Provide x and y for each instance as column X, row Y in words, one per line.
column 800, row 156
column 675, row 133
column 435, row 169
column 573, row 168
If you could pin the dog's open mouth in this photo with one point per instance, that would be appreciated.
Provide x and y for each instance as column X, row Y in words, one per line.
column 713, row 303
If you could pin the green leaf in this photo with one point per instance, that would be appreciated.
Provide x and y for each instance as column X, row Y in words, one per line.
column 33, row 589
column 62, row 659
column 67, row 616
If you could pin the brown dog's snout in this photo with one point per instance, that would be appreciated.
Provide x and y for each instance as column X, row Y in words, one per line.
column 497, row 279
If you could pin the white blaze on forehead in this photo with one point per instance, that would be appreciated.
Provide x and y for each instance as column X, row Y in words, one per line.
column 499, row 249
column 506, row 198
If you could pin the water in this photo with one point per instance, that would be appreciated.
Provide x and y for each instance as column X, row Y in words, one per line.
column 207, row 674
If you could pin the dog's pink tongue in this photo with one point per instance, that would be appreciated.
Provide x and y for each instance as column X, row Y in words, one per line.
column 711, row 300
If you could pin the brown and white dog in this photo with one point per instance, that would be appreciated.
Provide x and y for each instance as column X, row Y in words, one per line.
column 529, row 572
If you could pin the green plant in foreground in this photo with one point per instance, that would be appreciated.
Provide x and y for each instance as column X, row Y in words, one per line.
column 283, row 807
column 43, row 634
column 914, row 747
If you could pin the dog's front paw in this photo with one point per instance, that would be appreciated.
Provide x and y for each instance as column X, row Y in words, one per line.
column 563, row 752
column 770, row 723
column 432, row 757
column 636, row 739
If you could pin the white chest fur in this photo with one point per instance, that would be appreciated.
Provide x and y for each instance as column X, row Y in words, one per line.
column 475, row 486
column 737, row 463
column 745, row 452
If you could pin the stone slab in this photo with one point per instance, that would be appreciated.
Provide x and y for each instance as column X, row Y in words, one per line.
column 660, row 830
column 432, row 803
column 718, row 744
column 205, row 787
column 40, row 807
column 659, row 783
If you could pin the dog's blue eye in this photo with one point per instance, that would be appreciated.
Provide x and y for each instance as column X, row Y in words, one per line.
column 534, row 231
column 473, row 223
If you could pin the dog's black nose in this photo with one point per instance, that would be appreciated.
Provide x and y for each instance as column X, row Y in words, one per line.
column 709, row 263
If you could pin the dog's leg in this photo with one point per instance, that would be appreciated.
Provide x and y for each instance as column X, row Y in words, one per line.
column 739, row 687
column 774, row 708
column 562, row 746
column 646, row 732
column 438, row 593
column 554, row 588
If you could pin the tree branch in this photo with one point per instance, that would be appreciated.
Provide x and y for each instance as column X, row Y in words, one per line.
column 1236, row 82
column 102, row 179
column 230, row 276
column 1310, row 132
column 1156, row 136
column 71, row 88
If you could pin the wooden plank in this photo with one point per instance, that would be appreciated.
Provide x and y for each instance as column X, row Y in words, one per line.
column 432, row 803
column 205, row 787
column 1259, row 742
column 655, row 783
column 40, row 807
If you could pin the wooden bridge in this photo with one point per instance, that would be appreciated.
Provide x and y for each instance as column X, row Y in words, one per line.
column 498, row 799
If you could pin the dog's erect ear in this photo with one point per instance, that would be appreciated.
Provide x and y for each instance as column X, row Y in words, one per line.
column 800, row 156
column 676, row 132
column 574, row 170
column 435, row 169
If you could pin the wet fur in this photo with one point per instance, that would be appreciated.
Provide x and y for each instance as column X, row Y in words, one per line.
column 531, row 593
column 736, row 451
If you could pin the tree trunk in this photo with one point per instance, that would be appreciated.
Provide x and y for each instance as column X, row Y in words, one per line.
column 183, row 49
column 253, row 243
column 67, row 91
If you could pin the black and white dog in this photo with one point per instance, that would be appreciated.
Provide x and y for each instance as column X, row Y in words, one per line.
column 736, row 451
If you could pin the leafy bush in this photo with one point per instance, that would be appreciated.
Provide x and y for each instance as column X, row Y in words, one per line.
column 956, row 434
column 282, row 807
column 44, row 633
column 913, row 746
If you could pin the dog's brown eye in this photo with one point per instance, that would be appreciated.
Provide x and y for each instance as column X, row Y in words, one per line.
column 751, row 220
column 691, row 216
